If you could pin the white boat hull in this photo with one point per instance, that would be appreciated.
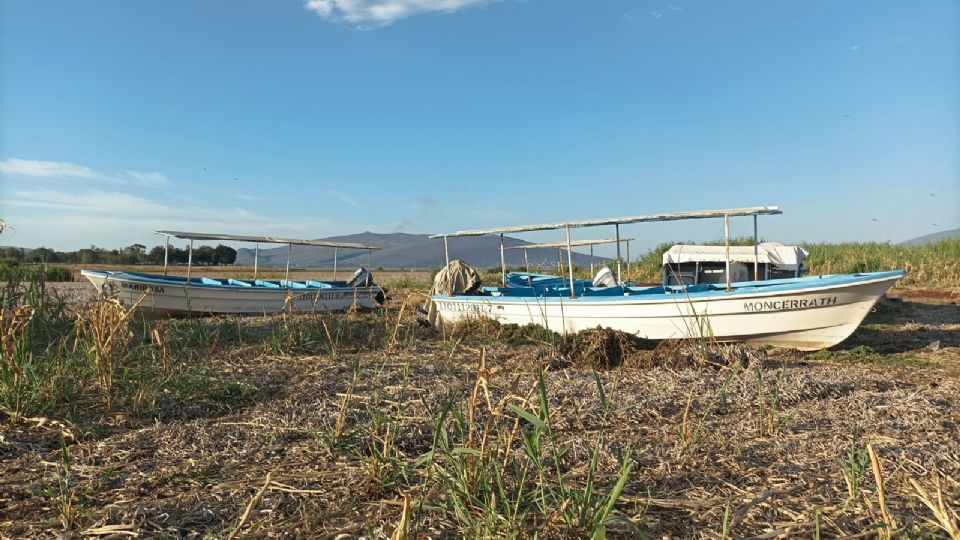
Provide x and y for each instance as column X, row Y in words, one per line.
column 807, row 319
column 184, row 298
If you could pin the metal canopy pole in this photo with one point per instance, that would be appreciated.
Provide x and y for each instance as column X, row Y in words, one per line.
column 289, row 253
column 560, row 260
column 336, row 251
column 726, row 242
column 573, row 289
column 628, row 257
column 189, row 260
column 446, row 250
column 617, row 225
column 369, row 258
column 591, row 260
column 503, row 263
column 166, row 252
column 756, row 251
column 526, row 261
column 256, row 259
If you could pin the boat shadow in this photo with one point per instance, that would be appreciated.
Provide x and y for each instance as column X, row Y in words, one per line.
column 907, row 326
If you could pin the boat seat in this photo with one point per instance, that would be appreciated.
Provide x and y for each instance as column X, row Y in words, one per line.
column 657, row 289
column 508, row 291
column 319, row 284
column 270, row 284
column 210, row 281
column 603, row 291
column 239, row 283
column 293, row 284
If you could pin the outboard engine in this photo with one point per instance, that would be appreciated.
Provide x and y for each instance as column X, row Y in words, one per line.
column 361, row 278
column 605, row 278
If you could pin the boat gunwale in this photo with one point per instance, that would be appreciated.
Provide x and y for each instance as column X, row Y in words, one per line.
column 181, row 282
column 681, row 296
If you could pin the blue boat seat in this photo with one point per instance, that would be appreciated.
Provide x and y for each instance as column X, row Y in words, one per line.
column 293, row 284
column 319, row 284
column 657, row 289
column 239, row 283
column 508, row 291
column 270, row 284
column 210, row 281
column 603, row 291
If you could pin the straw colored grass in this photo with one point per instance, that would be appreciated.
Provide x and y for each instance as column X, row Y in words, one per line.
column 258, row 428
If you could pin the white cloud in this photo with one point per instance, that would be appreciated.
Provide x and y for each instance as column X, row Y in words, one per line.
column 383, row 12
column 154, row 179
column 344, row 197
column 47, row 169
column 62, row 170
column 669, row 9
column 69, row 220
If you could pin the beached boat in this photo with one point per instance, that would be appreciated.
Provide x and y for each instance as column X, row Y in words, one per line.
column 158, row 293
column 805, row 313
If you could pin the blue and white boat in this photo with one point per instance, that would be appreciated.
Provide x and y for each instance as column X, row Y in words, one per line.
column 805, row 313
column 158, row 293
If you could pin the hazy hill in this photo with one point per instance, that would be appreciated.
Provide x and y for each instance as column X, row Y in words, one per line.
column 935, row 237
column 401, row 250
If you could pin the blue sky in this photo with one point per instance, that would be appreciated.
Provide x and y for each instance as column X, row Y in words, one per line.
column 325, row 117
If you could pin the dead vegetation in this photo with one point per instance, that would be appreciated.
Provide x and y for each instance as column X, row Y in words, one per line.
column 366, row 424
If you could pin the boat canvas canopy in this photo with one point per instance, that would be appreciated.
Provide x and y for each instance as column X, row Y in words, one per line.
column 263, row 239
column 669, row 216
column 779, row 255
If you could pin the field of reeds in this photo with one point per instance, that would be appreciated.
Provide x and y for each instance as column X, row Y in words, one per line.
column 369, row 424
column 932, row 265
column 11, row 271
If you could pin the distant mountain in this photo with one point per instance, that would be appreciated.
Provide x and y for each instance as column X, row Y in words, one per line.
column 401, row 250
column 935, row 237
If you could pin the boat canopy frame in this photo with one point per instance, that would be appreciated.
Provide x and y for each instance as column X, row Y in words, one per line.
column 257, row 240
column 573, row 243
column 725, row 213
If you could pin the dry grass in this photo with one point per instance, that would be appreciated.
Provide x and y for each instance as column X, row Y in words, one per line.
column 103, row 332
column 365, row 424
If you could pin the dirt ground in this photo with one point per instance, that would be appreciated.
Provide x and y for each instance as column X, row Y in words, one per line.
column 755, row 451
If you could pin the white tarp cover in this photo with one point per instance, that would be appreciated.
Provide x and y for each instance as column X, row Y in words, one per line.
column 456, row 278
column 779, row 255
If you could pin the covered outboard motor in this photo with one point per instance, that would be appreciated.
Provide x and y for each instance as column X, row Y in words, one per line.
column 361, row 278
column 605, row 278
column 456, row 278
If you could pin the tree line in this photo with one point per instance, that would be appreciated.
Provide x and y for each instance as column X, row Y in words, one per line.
column 133, row 254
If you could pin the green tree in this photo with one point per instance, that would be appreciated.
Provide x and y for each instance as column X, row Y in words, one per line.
column 43, row 255
column 133, row 254
column 224, row 255
column 203, row 255
column 155, row 256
